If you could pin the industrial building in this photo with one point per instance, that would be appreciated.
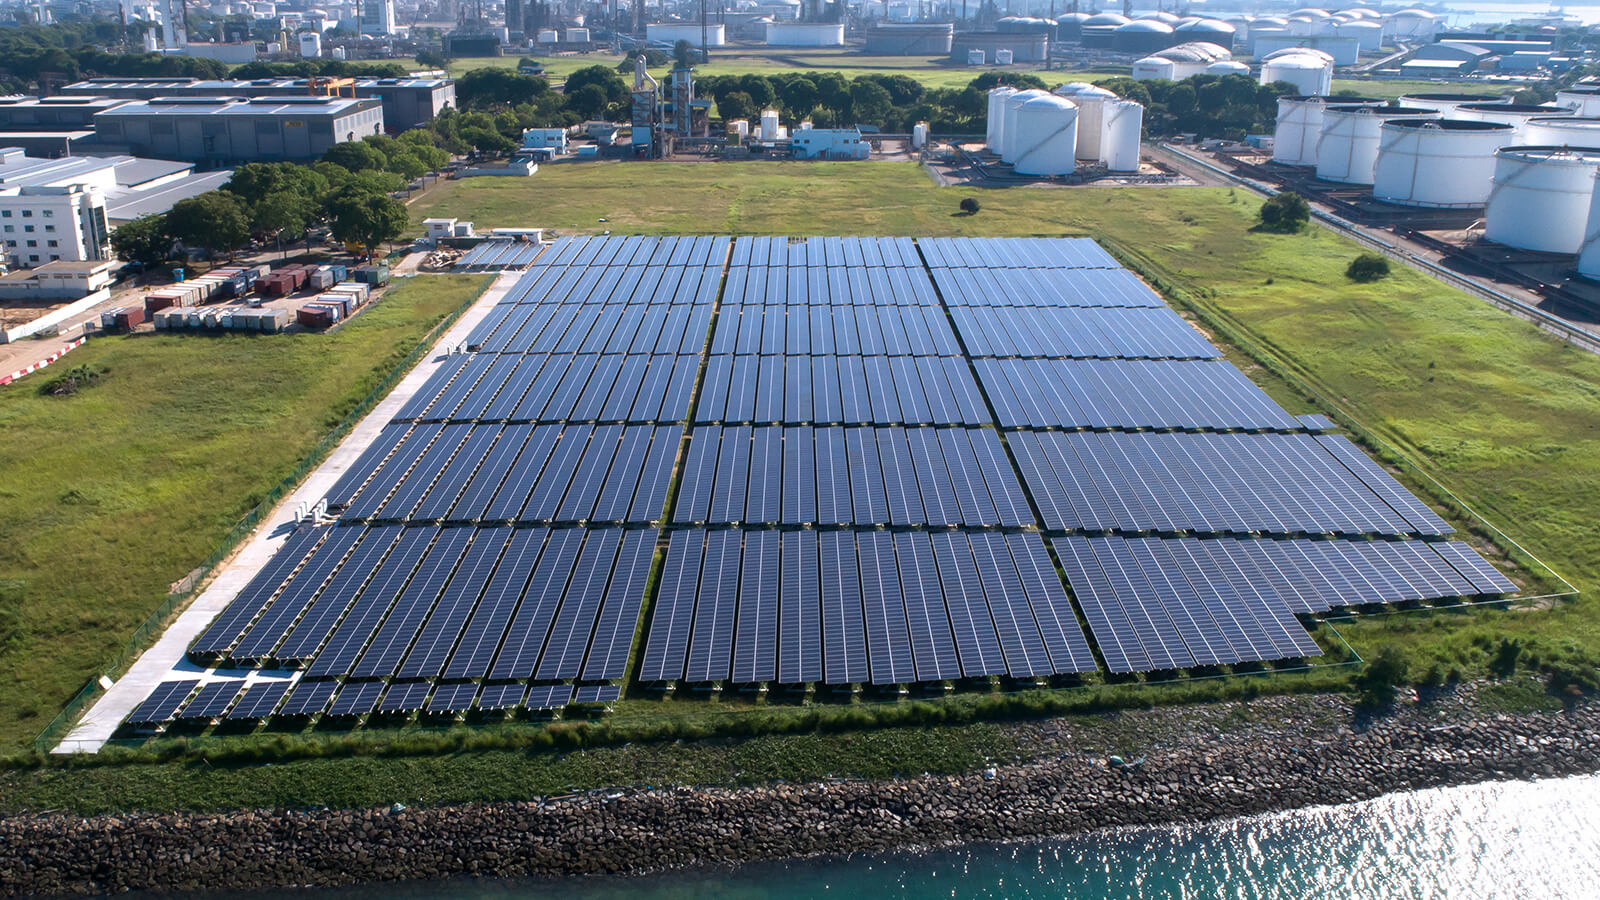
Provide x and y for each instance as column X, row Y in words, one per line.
column 829, row 143
column 218, row 132
column 65, row 209
column 1024, row 48
column 407, row 102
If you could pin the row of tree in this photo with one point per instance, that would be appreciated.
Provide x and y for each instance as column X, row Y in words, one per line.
column 350, row 190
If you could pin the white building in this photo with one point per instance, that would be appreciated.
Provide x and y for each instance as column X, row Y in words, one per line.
column 830, row 143
column 41, row 224
column 545, row 139
column 377, row 17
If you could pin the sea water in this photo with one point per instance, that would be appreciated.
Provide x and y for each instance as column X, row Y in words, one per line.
column 1508, row 840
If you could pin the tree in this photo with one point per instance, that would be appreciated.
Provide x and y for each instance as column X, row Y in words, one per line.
column 283, row 214
column 588, row 101
column 491, row 87
column 432, row 59
column 405, row 163
column 759, row 89
column 254, row 182
column 214, row 220
column 355, row 156
column 685, row 54
column 737, row 105
column 144, row 240
column 487, row 140
column 606, row 79
column 366, row 217
column 1384, row 672
column 870, row 103
column 1367, row 267
column 1285, row 213
column 800, row 96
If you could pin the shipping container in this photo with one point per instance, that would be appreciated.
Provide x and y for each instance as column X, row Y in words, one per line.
column 273, row 321
column 129, row 316
column 314, row 316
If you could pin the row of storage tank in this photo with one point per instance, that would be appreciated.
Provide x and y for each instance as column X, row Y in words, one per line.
column 1049, row 133
column 1533, row 168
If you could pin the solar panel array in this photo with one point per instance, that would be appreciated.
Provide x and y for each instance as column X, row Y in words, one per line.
column 887, row 462
column 499, row 255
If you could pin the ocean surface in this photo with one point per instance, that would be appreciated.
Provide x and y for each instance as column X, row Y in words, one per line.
column 1462, row 14
column 1512, row 840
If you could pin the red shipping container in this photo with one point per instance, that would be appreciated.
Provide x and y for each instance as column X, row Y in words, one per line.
column 130, row 316
column 155, row 302
column 312, row 317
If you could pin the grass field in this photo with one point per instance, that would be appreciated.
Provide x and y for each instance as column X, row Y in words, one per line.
column 1504, row 416
column 110, row 495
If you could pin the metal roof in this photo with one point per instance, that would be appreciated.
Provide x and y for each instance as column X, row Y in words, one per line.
column 134, row 204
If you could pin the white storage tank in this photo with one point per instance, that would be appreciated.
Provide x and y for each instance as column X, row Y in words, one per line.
column 1516, row 115
column 577, row 35
column 974, row 57
column 1228, row 67
column 1310, row 75
column 993, row 128
column 1004, row 56
column 1090, row 100
column 547, row 36
column 769, row 125
column 1046, row 136
column 1122, row 127
column 1589, row 256
column 1561, row 131
column 1347, row 149
column 1294, row 140
column 1008, row 143
column 1540, row 199
column 919, row 135
column 1438, row 162
column 1582, row 99
column 310, row 45
column 805, row 34
column 1447, row 103
column 1154, row 68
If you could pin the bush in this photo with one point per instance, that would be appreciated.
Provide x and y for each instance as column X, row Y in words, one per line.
column 1285, row 213
column 1384, row 672
column 1367, row 267
column 969, row 206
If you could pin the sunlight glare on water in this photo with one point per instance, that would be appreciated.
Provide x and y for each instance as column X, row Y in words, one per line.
column 1496, row 841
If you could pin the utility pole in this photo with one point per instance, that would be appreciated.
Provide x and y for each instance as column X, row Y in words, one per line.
column 705, row 50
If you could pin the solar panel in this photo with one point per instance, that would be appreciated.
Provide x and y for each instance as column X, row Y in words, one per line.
column 212, row 700
column 597, row 693
column 502, row 696
column 309, row 697
column 356, row 698
column 405, row 696
column 453, row 698
column 163, row 702
column 259, row 700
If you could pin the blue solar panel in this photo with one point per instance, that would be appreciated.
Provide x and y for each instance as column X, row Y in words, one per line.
column 260, row 700
column 309, row 697
column 453, row 698
column 163, row 702
column 525, row 639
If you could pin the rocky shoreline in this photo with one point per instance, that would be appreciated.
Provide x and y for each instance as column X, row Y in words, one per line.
column 1240, row 759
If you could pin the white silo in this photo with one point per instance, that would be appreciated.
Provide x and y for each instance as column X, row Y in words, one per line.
column 1294, row 141
column 310, row 45
column 1561, row 131
column 1582, row 99
column 1046, row 138
column 1517, row 115
column 993, row 129
column 1447, row 103
column 919, row 135
column 1347, row 148
column 1091, row 101
column 769, row 125
column 1008, row 121
column 1367, row 32
column 1121, row 128
column 1311, row 75
column 1589, row 256
column 1154, row 68
column 1540, row 199
column 1434, row 162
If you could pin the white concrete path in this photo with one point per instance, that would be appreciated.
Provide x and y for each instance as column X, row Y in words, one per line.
column 165, row 661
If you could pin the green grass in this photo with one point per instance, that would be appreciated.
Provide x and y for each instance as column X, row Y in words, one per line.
column 110, row 495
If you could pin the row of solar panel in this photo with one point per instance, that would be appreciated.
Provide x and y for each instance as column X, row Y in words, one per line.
column 844, row 389
column 1213, row 483
column 850, row 252
column 616, row 285
column 844, row 476
column 514, row 473
column 556, row 387
column 1015, row 253
column 1044, row 287
column 553, row 328
column 499, row 255
column 845, row 331
column 458, row 603
column 260, row 699
column 1176, row 604
column 1128, row 394
column 828, row 288
column 1079, row 333
column 582, row 250
column 841, row 607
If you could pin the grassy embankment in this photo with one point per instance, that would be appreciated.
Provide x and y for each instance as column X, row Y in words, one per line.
column 1508, row 418
column 110, row 495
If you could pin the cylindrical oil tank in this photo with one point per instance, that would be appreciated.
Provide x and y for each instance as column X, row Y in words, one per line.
column 1367, row 32
column 1153, row 68
column 1310, row 75
column 993, row 130
column 1142, row 36
column 1008, row 132
column 1121, row 127
column 1090, row 100
column 1294, row 142
column 1046, row 138
column 1438, row 162
column 769, row 125
column 1347, row 148
column 1561, row 131
column 1446, row 103
column 1516, row 115
column 1540, row 199
column 1212, row 31
column 1097, row 30
column 1228, row 67
column 1069, row 27
column 1589, row 256
column 1582, row 99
